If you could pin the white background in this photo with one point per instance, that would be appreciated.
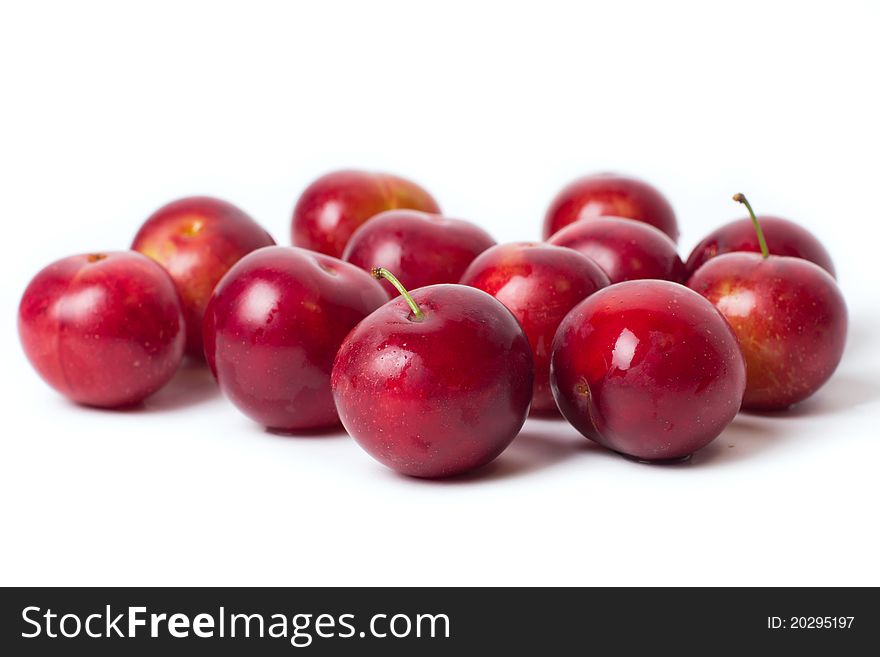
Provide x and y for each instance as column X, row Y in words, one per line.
column 110, row 110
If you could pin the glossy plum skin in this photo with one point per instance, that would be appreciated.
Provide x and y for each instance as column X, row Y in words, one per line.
column 103, row 329
column 272, row 329
column 648, row 369
column 336, row 204
column 420, row 248
column 789, row 316
column 197, row 240
column 539, row 284
column 784, row 237
column 608, row 194
column 440, row 396
column 625, row 249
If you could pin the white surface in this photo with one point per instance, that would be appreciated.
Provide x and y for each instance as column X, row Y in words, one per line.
column 110, row 111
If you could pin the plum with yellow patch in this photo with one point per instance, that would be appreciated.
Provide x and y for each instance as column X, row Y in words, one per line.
column 788, row 314
column 197, row 240
column 789, row 317
column 335, row 205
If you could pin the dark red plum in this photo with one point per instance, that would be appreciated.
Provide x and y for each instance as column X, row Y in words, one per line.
column 625, row 249
column 783, row 237
column 608, row 194
column 647, row 368
column 420, row 248
column 437, row 383
column 272, row 329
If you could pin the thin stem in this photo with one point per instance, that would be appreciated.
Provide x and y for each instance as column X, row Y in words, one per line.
column 740, row 198
column 381, row 272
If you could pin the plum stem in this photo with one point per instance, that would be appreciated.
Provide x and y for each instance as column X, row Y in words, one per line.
column 381, row 272
column 741, row 198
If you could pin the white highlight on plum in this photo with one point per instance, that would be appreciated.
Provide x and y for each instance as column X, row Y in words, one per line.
column 259, row 302
column 624, row 349
column 79, row 304
column 737, row 304
column 330, row 215
column 516, row 287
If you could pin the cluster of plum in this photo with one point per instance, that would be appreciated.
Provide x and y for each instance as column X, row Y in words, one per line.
column 430, row 342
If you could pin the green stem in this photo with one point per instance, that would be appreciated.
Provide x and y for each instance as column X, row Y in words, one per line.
column 740, row 198
column 381, row 272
